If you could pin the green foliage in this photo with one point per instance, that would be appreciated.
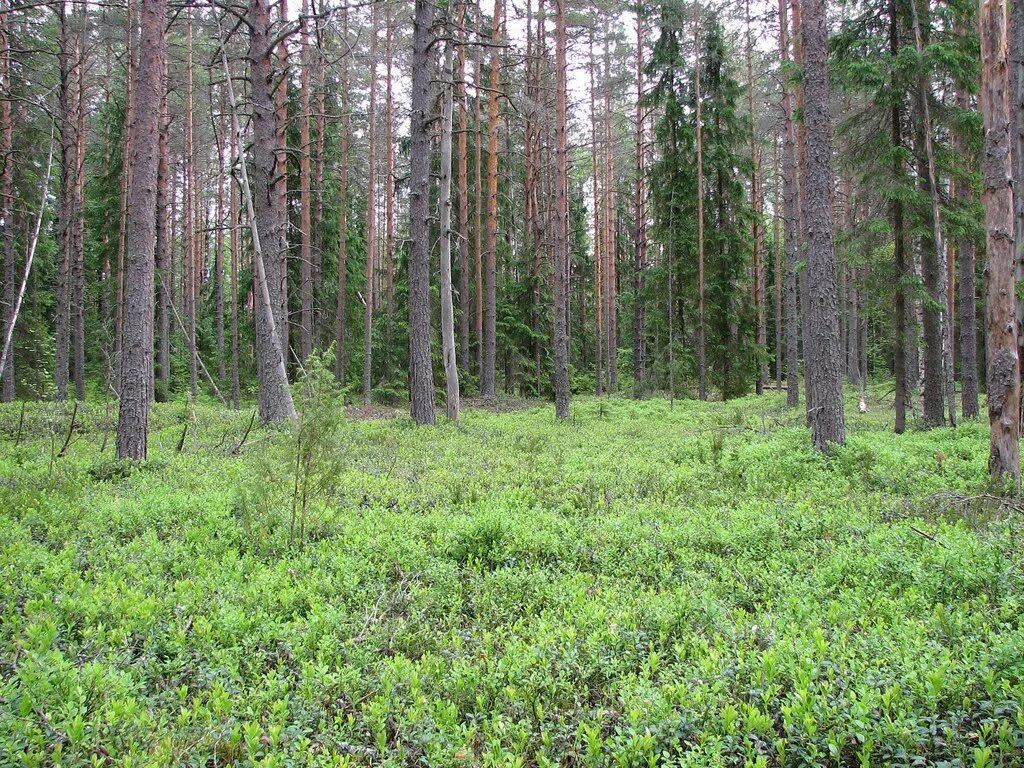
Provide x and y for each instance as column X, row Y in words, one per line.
column 643, row 586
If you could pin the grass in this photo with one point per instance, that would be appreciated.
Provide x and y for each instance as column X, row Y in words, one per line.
column 641, row 586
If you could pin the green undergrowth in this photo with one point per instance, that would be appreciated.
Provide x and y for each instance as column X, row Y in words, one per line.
column 643, row 585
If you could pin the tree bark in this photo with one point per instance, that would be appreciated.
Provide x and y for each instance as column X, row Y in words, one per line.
column 900, row 367
column 421, row 373
column 7, row 232
column 341, row 310
column 371, row 218
column 640, row 219
column 827, row 418
column 451, row 368
column 305, row 196
column 1003, row 364
column 268, row 219
column 791, row 223
column 488, row 375
column 702, row 373
column 463, row 183
column 967, row 296
column 561, row 220
column 164, row 237
column 140, row 241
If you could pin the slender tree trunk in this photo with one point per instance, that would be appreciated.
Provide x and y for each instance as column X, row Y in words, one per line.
column 640, row 219
column 341, row 314
column 1015, row 63
column 78, row 203
column 559, row 229
column 599, row 300
column 371, row 219
column 66, row 216
column 389, row 181
column 463, row 182
column 7, row 233
column 900, row 367
column 777, row 214
column 305, row 196
column 827, row 419
column 164, row 236
column 137, row 341
column 235, row 235
column 756, row 195
column 190, row 237
column 1003, row 372
column 487, row 378
column 610, row 244
column 280, row 179
column 962, row 191
column 479, row 188
column 421, row 372
column 218, row 252
column 702, row 377
column 319, row 153
column 451, row 368
column 791, row 216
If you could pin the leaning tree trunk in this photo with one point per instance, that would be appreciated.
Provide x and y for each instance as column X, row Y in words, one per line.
column 140, row 239
column 1003, row 372
column 561, row 220
column 451, row 368
column 827, row 419
column 421, row 373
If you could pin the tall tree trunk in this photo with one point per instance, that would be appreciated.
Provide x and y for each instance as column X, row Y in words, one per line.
column 900, row 305
column 164, row 237
column 319, row 155
column 126, row 172
column 463, row 183
column 218, row 252
column 599, row 300
column 421, row 372
column 137, row 341
column 389, row 180
column 610, row 244
column 78, row 203
column 791, row 216
column 1003, row 371
column 192, row 226
column 827, row 419
column 305, row 196
column 341, row 312
column 640, row 218
column 280, row 198
column 561, row 220
column 7, row 233
column 268, row 219
column 967, row 310
column 1015, row 63
column 756, row 195
column 371, row 218
column 478, row 69
column 235, row 235
column 451, row 368
column 66, row 214
column 487, row 377
column 777, row 214
column 702, row 373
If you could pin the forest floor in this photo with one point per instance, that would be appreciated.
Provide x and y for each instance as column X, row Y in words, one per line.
column 641, row 586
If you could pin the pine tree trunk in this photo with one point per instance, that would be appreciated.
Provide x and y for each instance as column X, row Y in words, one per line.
column 791, row 220
column 610, row 245
column 900, row 306
column 463, row 183
column 827, row 418
column 451, row 368
column 421, row 374
column 7, row 233
column 67, row 125
column 488, row 375
column 78, row 203
column 280, row 197
column 559, row 225
column 137, row 340
column 268, row 219
column 640, row 220
column 371, row 218
column 479, row 207
column 598, row 234
column 777, row 248
column 191, row 225
column 702, row 373
column 164, row 236
column 341, row 310
column 967, row 296
column 235, row 235
column 756, row 196
column 305, row 197
column 1003, row 364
